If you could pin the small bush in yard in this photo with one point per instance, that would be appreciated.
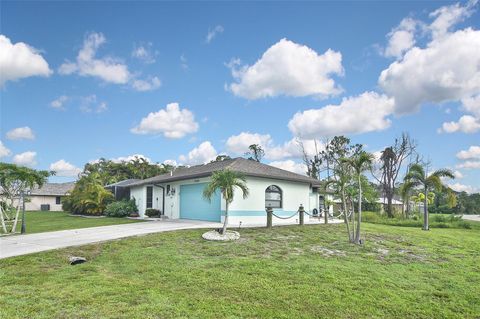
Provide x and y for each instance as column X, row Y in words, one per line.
column 151, row 212
column 121, row 208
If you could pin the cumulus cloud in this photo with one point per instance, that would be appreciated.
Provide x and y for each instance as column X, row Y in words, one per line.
column 19, row 60
column 446, row 70
column 287, row 68
column 291, row 166
column 458, row 174
column 401, row 38
column 149, row 84
column 63, row 168
column 170, row 162
column 25, row 159
column 472, row 153
column 359, row 114
column 469, row 165
column 204, row 153
column 21, row 133
column 128, row 158
column 212, row 33
column 466, row 123
column 144, row 53
column 463, row 188
column 447, row 16
column 238, row 145
column 59, row 102
column 4, row 151
column 108, row 69
column 172, row 122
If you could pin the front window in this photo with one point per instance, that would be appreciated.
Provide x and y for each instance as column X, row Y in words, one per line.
column 58, row 200
column 273, row 197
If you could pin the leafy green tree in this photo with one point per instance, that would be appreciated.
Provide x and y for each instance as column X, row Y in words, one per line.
column 221, row 158
column 226, row 181
column 418, row 177
column 359, row 163
column 14, row 182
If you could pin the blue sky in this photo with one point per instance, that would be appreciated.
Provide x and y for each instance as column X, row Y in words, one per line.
column 186, row 81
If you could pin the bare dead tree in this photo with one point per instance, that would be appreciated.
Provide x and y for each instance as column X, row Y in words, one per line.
column 391, row 162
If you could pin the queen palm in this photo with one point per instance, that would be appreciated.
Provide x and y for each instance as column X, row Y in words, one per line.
column 418, row 177
column 226, row 181
column 359, row 163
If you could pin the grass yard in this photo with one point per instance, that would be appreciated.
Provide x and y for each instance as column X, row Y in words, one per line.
column 286, row 272
column 38, row 222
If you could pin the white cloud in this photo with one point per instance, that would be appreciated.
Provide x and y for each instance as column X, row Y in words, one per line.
column 170, row 162
column 447, row 16
column 144, row 53
column 469, row 165
column 107, row 68
column 184, row 62
column 4, row 151
column 466, row 124
column 202, row 154
column 26, row 159
column 212, row 33
column 63, row 168
column 238, row 144
column 172, row 122
column 125, row 159
column 21, row 133
column 150, row 84
column 472, row 105
column 445, row 70
column 472, row 153
column 287, row 68
column 401, row 38
column 458, row 174
column 291, row 166
column 360, row 114
column 91, row 104
column 463, row 188
column 59, row 102
column 19, row 60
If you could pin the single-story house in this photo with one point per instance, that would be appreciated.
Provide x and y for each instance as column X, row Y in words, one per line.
column 48, row 197
column 179, row 194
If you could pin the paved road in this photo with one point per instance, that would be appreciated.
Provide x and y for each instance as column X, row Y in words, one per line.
column 26, row 244
column 475, row 218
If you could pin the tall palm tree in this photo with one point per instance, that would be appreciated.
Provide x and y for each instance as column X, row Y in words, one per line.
column 226, row 181
column 359, row 163
column 418, row 177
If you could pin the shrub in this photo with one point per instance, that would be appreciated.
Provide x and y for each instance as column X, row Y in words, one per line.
column 121, row 208
column 152, row 212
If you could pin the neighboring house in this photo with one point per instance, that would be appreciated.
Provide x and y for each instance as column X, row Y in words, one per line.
column 397, row 205
column 48, row 197
column 179, row 194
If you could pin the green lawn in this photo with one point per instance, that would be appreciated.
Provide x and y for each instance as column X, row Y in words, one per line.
column 38, row 222
column 286, row 272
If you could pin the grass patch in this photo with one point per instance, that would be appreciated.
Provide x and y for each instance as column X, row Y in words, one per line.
column 286, row 272
column 38, row 222
column 435, row 221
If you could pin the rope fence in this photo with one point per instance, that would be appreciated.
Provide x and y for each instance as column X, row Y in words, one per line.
column 294, row 214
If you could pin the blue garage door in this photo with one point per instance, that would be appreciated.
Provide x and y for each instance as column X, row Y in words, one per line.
column 194, row 206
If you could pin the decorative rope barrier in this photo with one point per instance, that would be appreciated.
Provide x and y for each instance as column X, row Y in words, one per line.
column 285, row 217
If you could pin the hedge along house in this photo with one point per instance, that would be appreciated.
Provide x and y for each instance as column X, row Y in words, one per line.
column 179, row 194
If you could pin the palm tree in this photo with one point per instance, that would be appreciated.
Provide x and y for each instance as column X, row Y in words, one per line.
column 417, row 176
column 359, row 163
column 226, row 180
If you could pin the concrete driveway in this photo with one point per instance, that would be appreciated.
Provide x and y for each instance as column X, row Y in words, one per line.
column 26, row 244
column 475, row 218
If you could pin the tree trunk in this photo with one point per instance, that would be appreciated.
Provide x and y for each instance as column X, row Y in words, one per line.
column 14, row 226
column 425, row 211
column 225, row 222
column 389, row 205
column 4, row 227
column 345, row 218
column 359, row 215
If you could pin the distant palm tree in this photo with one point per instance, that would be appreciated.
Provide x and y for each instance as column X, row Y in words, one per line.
column 417, row 176
column 359, row 163
column 226, row 181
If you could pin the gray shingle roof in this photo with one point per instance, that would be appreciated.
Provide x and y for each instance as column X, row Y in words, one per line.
column 53, row 189
column 239, row 164
column 125, row 182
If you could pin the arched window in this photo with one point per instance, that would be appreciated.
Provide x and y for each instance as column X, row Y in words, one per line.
column 273, row 197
